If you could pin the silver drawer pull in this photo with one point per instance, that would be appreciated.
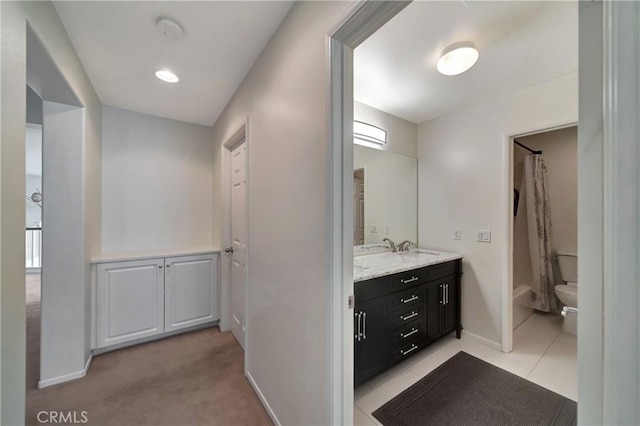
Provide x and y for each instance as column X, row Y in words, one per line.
column 411, row 333
column 413, row 314
column 411, row 299
column 413, row 348
column 410, row 280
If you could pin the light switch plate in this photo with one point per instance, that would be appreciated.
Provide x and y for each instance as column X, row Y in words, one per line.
column 484, row 236
column 457, row 234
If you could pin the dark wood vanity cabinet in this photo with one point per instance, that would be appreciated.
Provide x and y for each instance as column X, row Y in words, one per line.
column 397, row 315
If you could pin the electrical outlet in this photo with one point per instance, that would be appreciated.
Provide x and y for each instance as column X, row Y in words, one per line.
column 387, row 232
column 374, row 229
column 457, row 234
column 484, row 236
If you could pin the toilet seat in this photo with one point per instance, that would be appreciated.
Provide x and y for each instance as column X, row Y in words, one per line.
column 568, row 294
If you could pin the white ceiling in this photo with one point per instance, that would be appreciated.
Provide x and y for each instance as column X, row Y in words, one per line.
column 121, row 48
column 520, row 43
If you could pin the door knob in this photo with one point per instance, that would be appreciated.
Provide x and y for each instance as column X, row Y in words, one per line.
column 228, row 250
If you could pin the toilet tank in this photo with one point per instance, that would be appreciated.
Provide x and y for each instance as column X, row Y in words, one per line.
column 568, row 262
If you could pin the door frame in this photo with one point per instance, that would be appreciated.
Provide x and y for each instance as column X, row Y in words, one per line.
column 238, row 136
column 508, row 222
column 362, row 19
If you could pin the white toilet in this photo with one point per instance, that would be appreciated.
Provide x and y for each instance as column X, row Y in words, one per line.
column 568, row 293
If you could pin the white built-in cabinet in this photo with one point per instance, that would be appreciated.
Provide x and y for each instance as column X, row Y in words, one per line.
column 139, row 299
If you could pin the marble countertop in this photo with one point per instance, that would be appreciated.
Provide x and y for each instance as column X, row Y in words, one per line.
column 378, row 265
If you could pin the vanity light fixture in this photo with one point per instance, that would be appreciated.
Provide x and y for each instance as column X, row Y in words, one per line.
column 457, row 58
column 168, row 76
column 369, row 135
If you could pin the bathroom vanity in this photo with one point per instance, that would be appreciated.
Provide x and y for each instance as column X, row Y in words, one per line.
column 403, row 302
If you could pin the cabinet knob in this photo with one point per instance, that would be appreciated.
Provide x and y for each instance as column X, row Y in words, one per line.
column 159, row 266
column 168, row 266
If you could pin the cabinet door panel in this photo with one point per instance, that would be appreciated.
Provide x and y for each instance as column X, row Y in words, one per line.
column 449, row 310
column 434, row 301
column 130, row 301
column 372, row 351
column 191, row 291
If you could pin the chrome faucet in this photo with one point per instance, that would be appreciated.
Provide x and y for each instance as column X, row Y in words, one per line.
column 392, row 245
column 405, row 245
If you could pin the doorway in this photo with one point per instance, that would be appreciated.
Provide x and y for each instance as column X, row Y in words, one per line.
column 557, row 146
column 235, row 236
column 33, row 235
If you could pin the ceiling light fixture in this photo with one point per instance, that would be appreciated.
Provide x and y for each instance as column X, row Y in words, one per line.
column 168, row 76
column 457, row 58
column 369, row 135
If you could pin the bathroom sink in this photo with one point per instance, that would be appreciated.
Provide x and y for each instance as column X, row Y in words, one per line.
column 417, row 252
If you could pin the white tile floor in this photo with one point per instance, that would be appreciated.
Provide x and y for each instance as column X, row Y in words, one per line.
column 542, row 353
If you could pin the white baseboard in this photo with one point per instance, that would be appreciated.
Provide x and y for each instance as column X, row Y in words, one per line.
column 66, row 377
column 263, row 400
column 494, row 345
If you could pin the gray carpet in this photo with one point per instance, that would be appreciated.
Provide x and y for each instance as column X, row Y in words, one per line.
column 192, row 379
column 468, row 391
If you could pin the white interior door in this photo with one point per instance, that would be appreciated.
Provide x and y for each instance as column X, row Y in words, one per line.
column 238, row 240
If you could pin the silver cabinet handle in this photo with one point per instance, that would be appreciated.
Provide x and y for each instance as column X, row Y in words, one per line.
column 412, row 332
column 408, row 351
column 442, row 294
column 410, row 280
column 446, row 288
column 364, row 326
column 413, row 314
column 411, row 299
column 358, row 326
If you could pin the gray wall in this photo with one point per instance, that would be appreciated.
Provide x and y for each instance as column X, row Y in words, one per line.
column 44, row 21
column 285, row 98
column 34, row 107
column 157, row 182
column 402, row 135
column 461, row 170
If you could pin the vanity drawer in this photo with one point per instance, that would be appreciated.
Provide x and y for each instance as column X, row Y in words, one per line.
column 370, row 289
column 408, row 279
column 404, row 351
column 440, row 271
column 407, row 298
column 408, row 333
column 402, row 317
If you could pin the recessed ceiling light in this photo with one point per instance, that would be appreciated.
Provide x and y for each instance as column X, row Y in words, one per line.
column 457, row 58
column 168, row 76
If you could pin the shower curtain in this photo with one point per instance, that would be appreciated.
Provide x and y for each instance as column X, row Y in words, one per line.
column 534, row 191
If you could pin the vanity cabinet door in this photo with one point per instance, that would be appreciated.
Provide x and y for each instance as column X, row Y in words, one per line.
column 371, row 345
column 434, row 303
column 450, row 304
